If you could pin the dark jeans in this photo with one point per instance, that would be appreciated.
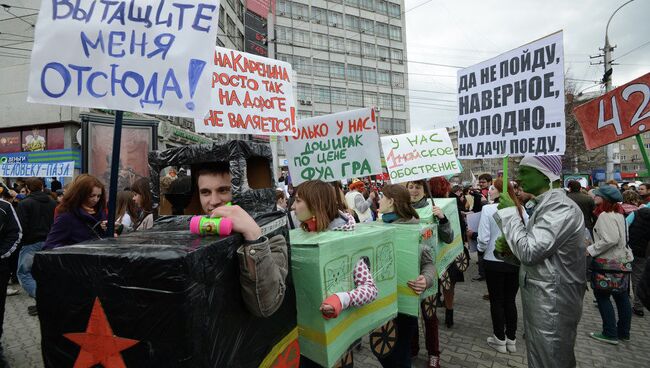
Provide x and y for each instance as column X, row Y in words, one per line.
column 4, row 281
column 503, row 288
column 400, row 357
column 481, row 264
column 610, row 327
column 431, row 341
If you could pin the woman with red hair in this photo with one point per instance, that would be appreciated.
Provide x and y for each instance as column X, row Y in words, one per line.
column 610, row 247
column 81, row 215
column 360, row 205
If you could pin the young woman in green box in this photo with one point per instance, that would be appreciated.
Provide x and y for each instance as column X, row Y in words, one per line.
column 317, row 210
column 395, row 207
column 427, row 212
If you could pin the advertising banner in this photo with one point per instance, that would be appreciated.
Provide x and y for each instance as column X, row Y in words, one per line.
column 37, row 170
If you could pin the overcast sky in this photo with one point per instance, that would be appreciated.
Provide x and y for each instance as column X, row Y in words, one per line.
column 463, row 33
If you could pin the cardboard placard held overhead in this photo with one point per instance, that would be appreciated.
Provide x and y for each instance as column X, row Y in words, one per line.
column 513, row 104
column 619, row 114
column 339, row 146
column 250, row 94
column 137, row 55
column 419, row 155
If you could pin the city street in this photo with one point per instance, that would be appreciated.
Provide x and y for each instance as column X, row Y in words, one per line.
column 462, row 346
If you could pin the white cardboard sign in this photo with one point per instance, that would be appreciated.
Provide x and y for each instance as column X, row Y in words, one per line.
column 420, row 155
column 250, row 94
column 339, row 146
column 513, row 104
column 134, row 55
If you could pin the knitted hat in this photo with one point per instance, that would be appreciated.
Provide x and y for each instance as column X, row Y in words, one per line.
column 550, row 166
column 609, row 193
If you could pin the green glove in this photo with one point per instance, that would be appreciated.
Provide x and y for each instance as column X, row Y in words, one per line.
column 505, row 201
column 501, row 246
column 502, row 252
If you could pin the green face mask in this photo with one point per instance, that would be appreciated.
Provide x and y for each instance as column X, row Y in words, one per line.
column 532, row 180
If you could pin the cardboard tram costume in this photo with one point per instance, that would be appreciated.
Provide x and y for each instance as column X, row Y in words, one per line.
column 444, row 254
column 165, row 297
column 409, row 239
column 322, row 265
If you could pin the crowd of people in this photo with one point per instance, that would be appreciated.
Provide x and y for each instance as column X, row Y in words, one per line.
column 547, row 243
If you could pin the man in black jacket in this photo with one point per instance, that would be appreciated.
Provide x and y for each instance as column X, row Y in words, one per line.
column 10, row 235
column 585, row 202
column 640, row 243
column 36, row 214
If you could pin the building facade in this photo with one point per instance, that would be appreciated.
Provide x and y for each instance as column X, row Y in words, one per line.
column 631, row 164
column 348, row 54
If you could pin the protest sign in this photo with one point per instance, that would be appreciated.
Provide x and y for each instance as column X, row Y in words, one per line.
column 617, row 115
column 250, row 94
column 513, row 104
column 136, row 55
column 334, row 147
column 419, row 155
column 37, row 170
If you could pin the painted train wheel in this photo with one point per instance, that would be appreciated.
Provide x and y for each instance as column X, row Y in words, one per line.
column 289, row 358
column 346, row 361
column 462, row 262
column 429, row 306
column 445, row 281
column 383, row 339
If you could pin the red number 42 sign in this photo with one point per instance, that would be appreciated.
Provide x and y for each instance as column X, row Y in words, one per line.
column 619, row 114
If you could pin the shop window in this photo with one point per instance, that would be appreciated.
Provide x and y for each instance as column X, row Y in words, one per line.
column 55, row 138
column 10, row 142
column 34, row 140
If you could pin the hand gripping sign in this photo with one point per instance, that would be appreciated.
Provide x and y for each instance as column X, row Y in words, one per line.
column 137, row 55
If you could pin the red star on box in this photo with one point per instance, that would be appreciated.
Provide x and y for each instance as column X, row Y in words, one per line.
column 98, row 344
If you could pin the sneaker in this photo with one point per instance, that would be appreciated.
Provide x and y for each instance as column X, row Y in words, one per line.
column 32, row 311
column 478, row 278
column 511, row 345
column 12, row 291
column 496, row 344
column 434, row 361
column 624, row 339
column 638, row 312
column 602, row 338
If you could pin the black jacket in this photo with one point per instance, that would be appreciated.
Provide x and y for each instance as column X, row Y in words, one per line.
column 639, row 232
column 643, row 290
column 36, row 214
column 10, row 231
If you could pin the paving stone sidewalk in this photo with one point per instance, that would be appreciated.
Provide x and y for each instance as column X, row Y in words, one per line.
column 462, row 346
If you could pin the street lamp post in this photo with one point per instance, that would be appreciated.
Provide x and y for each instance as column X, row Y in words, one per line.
column 607, row 79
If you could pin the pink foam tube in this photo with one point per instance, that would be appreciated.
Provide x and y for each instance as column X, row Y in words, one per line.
column 202, row 225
